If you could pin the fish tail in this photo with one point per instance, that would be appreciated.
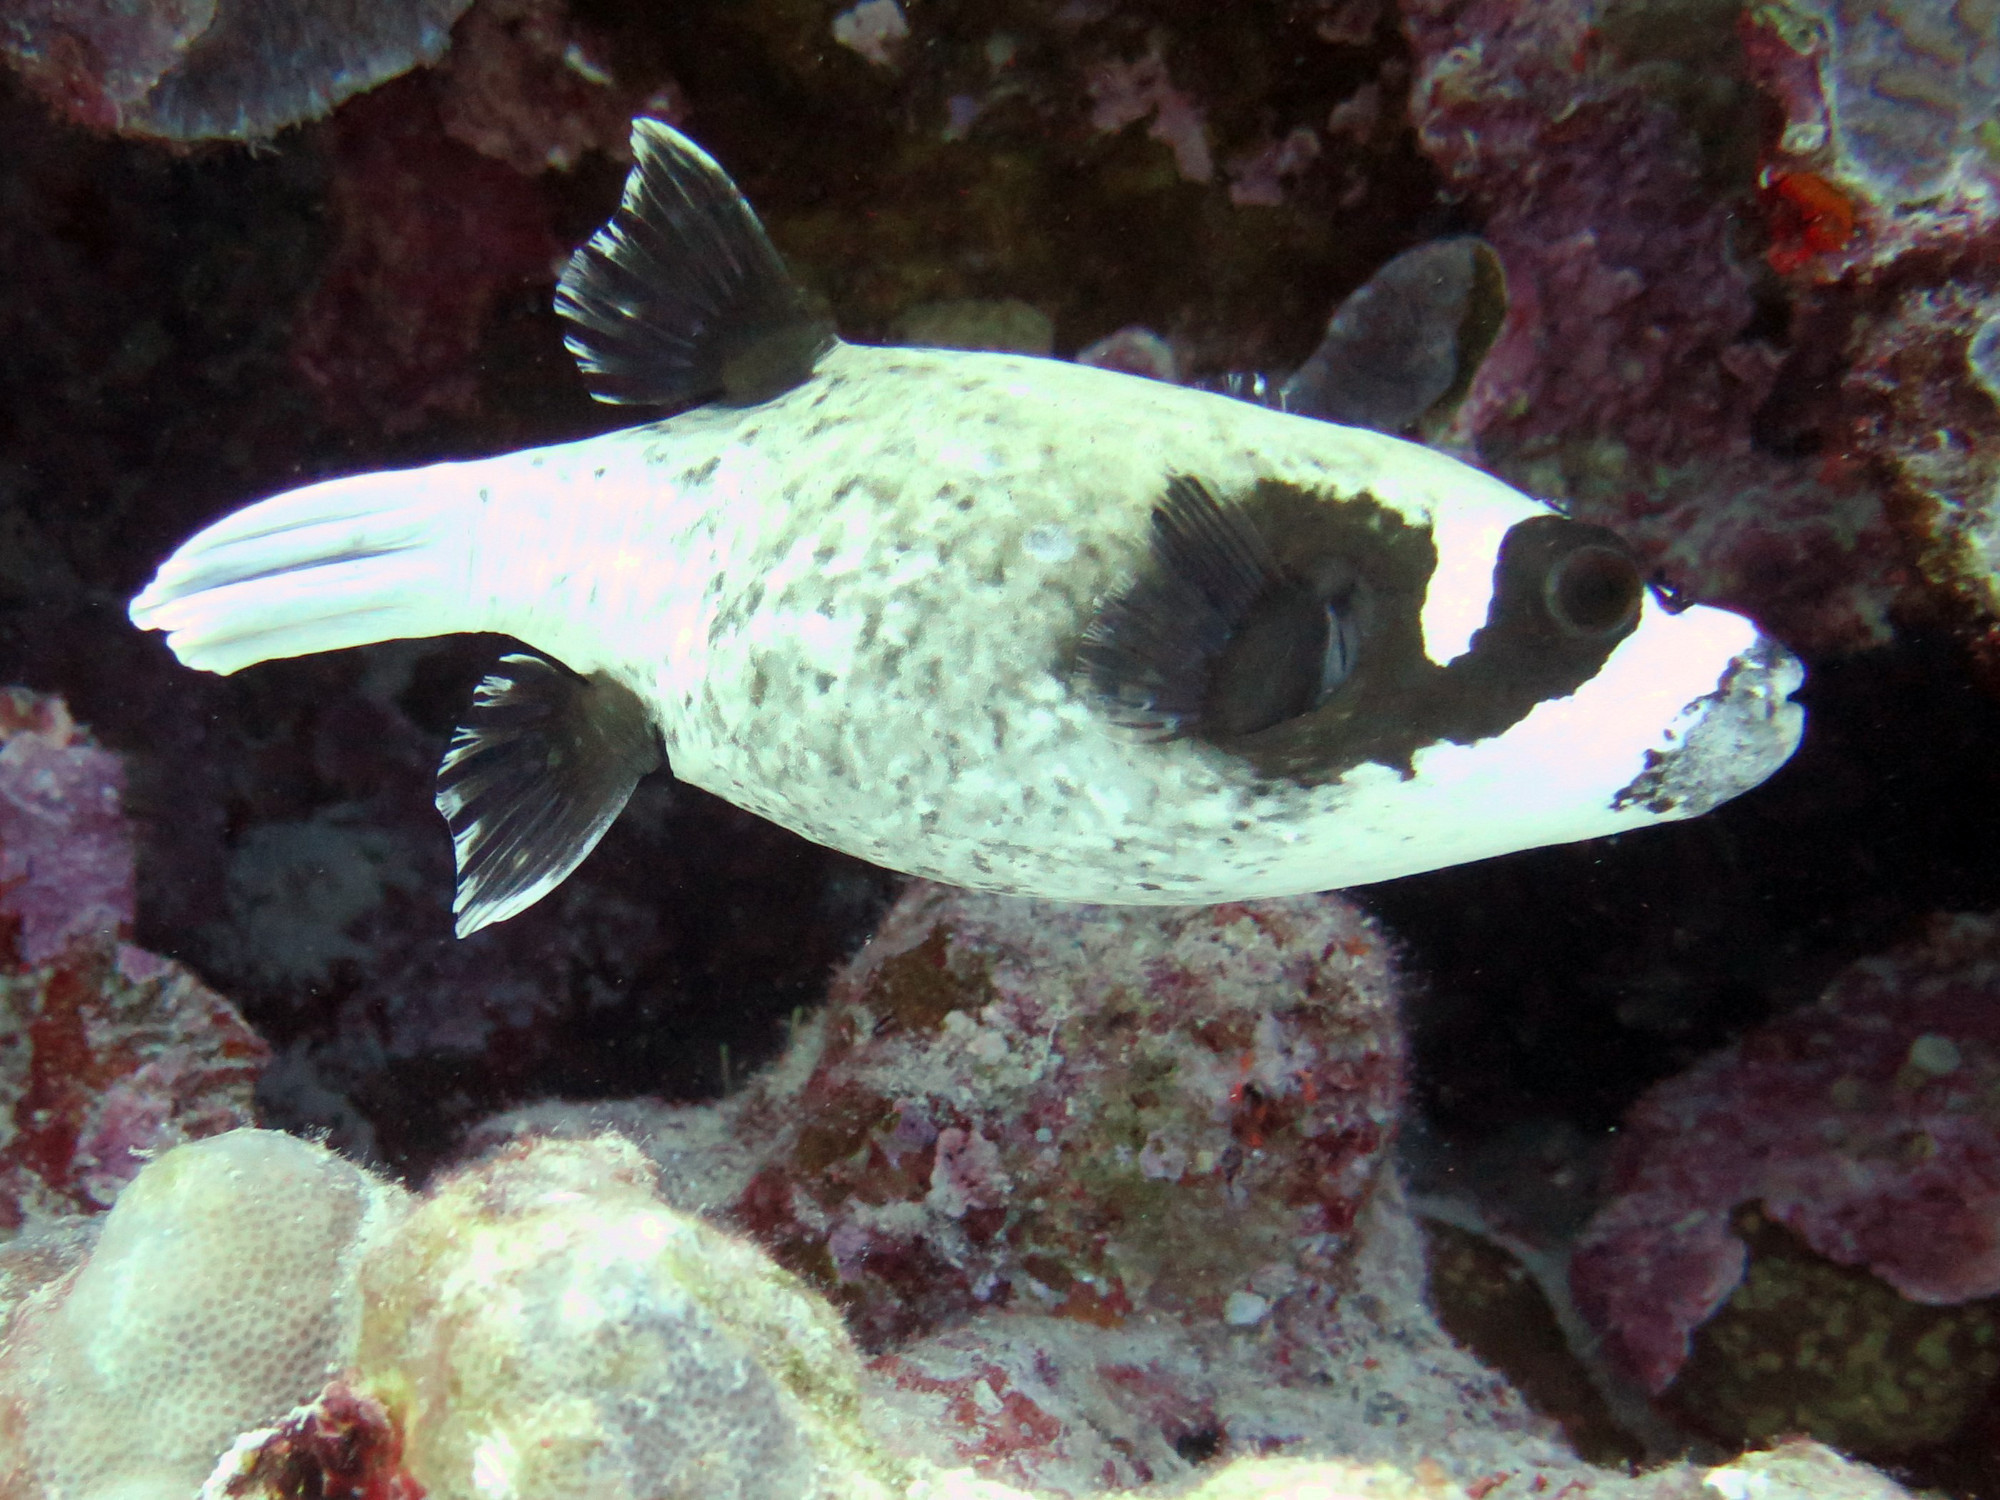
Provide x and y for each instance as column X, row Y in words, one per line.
column 375, row 557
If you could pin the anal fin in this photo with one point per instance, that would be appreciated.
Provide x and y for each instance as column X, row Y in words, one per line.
column 543, row 764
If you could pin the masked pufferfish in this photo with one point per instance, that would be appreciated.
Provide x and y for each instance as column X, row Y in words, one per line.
column 1010, row 623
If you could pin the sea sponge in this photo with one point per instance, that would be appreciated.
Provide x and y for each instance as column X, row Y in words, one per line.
column 220, row 1294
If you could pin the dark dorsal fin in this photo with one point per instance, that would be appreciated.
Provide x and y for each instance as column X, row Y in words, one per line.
column 682, row 298
column 1402, row 350
column 1408, row 342
column 543, row 764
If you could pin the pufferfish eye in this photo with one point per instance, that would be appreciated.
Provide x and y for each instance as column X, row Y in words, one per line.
column 1594, row 590
column 1567, row 584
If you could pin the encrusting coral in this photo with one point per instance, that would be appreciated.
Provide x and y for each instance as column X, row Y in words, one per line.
column 541, row 1325
column 107, row 1053
column 1817, row 1208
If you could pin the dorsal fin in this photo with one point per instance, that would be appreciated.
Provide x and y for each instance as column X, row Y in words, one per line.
column 543, row 764
column 682, row 298
column 1408, row 342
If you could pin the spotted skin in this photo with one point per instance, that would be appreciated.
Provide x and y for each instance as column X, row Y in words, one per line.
column 854, row 610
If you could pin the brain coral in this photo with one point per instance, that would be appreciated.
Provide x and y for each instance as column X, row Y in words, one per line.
column 219, row 1295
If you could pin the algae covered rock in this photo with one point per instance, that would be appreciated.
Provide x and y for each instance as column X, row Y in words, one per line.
column 1086, row 1111
column 545, row 1326
column 1805, row 1345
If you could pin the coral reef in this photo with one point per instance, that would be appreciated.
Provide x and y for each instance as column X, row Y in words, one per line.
column 107, row 1053
column 433, row 233
column 1631, row 374
column 543, row 1325
column 220, row 1292
column 1861, row 1130
column 1083, row 1111
column 65, row 852
column 440, row 216
column 1743, row 320
column 1880, row 193
column 258, row 1318
column 1886, row 143
column 229, row 69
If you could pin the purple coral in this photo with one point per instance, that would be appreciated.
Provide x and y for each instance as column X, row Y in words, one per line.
column 1629, row 379
column 1863, row 1123
column 110, row 1053
column 237, row 69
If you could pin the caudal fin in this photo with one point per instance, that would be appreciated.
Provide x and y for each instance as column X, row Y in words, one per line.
column 375, row 557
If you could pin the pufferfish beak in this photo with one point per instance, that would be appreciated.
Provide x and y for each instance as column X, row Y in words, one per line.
column 1727, row 741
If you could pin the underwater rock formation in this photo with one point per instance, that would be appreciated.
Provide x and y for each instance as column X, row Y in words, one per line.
column 1882, row 191
column 1861, row 1130
column 539, row 1325
column 432, row 234
column 440, row 212
column 1890, row 108
column 1604, row 153
column 215, row 69
column 1807, row 438
column 1083, row 1111
column 65, row 852
column 108, row 1054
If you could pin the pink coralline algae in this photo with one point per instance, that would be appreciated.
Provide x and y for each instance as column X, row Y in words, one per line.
column 344, row 1446
column 65, row 852
column 1085, row 1112
column 1882, row 199
column 233, row 69
column 432, row 234
column 1123, row 93
column 527, row 84
column 1864, row 1123
column 1628, row 380
column 441, row 214
column 107, row 1053
column 1887, row 141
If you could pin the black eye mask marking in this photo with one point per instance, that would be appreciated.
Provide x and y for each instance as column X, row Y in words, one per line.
column 1284, row 626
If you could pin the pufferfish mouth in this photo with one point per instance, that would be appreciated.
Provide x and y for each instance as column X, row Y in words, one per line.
column 1727, row 741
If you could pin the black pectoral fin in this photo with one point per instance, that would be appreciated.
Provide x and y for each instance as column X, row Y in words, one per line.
column 682, row 298
column 1149, row 656
column 542, row 765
